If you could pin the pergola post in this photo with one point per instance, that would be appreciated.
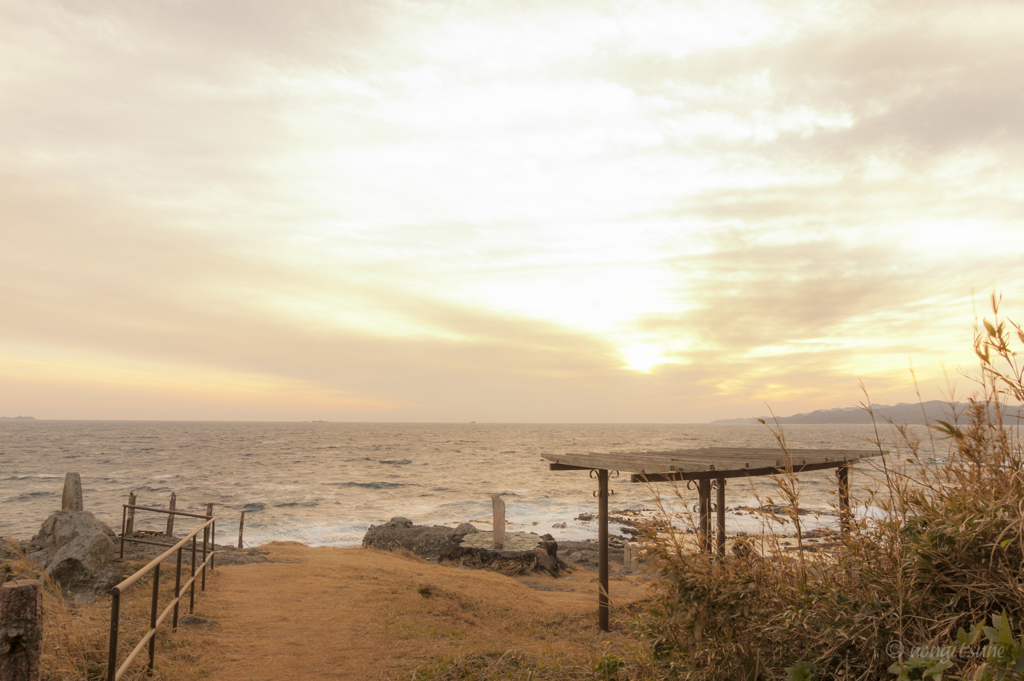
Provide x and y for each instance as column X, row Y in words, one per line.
column 720, row 514
column 843, row 477
column 704, row 509
column 602, row 548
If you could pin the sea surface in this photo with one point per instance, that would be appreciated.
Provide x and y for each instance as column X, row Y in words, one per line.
column 323, row 484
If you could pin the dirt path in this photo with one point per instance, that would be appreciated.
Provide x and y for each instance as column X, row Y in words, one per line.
column 330, row 613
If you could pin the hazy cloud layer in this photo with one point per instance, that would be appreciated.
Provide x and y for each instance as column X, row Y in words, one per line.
column 451, row 211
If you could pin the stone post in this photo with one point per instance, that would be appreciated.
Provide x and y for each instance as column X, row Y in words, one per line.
column 72, row 499
column 170, row 516
column 627, row 555
column 21, row 629
column 498, row 509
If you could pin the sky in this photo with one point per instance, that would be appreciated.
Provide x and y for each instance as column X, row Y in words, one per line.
column 451, row 211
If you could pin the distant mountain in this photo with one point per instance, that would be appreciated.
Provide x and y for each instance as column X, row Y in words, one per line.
column 933, row 410
column 15, row 418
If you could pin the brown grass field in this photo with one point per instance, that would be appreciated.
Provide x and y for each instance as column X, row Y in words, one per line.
column 352, row 613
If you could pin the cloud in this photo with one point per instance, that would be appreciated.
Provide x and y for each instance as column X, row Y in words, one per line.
column 438, row 208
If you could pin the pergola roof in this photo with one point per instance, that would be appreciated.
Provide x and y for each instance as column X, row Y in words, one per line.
column 708, row 462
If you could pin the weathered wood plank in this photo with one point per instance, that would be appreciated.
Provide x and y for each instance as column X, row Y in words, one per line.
column 724, row 461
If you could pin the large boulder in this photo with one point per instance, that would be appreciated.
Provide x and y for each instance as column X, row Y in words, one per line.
column 73, row 547
column 80, row 560
column 64, row 527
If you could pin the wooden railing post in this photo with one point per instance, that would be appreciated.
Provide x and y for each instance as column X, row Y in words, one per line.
column 241, row 524
column 129, row 528
column 170, row 516
column 21, row 629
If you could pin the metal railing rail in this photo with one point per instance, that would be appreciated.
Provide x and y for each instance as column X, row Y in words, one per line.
column 209, row 532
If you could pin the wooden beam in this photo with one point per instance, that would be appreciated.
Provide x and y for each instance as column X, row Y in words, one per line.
column 738, row 473
column 567, row 467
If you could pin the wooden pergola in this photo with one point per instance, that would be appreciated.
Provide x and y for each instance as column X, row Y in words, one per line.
column 708, row 467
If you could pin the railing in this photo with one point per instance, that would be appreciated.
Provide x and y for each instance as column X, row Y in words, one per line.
column 209, row 532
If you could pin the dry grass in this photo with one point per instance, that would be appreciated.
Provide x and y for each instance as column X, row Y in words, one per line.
column 947, row 554
column 331, row 613
column 76, row 631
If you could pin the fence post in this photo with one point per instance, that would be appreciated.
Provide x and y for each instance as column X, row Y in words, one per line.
column 170, row 516
column 129, row 528
column 21, row 629
column 241, row 524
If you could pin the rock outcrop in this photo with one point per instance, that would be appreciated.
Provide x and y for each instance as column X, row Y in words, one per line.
column 426, row 541
column 522, row 551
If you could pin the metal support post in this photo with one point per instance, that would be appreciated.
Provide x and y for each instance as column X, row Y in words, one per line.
column 602, row 542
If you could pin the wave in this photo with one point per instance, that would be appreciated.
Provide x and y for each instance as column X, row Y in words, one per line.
column 37, row 475
column 368, row 485
column 25, row 496
column 395, row 462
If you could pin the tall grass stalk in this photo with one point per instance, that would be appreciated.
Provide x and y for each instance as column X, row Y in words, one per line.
column 946, row 552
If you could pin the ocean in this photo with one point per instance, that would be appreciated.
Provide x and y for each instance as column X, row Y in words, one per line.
column 323, row 484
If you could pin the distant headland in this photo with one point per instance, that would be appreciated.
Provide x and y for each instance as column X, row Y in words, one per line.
column 916, row 413
column 17, row 418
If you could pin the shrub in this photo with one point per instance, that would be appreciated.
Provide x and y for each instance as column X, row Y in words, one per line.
column 947, row 553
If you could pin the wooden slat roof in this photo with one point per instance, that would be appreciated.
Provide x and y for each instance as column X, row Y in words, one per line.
column 708, row 462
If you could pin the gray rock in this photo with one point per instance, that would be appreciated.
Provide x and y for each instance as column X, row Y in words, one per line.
column 73, row 547
column 445, row 544
column 63, row 527
column 464, row 529
column 426, row 541
column 80, row 559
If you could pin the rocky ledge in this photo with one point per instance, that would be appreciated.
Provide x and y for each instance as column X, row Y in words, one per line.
column 466, row 545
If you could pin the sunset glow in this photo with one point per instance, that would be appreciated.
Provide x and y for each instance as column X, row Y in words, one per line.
column 626, row 212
